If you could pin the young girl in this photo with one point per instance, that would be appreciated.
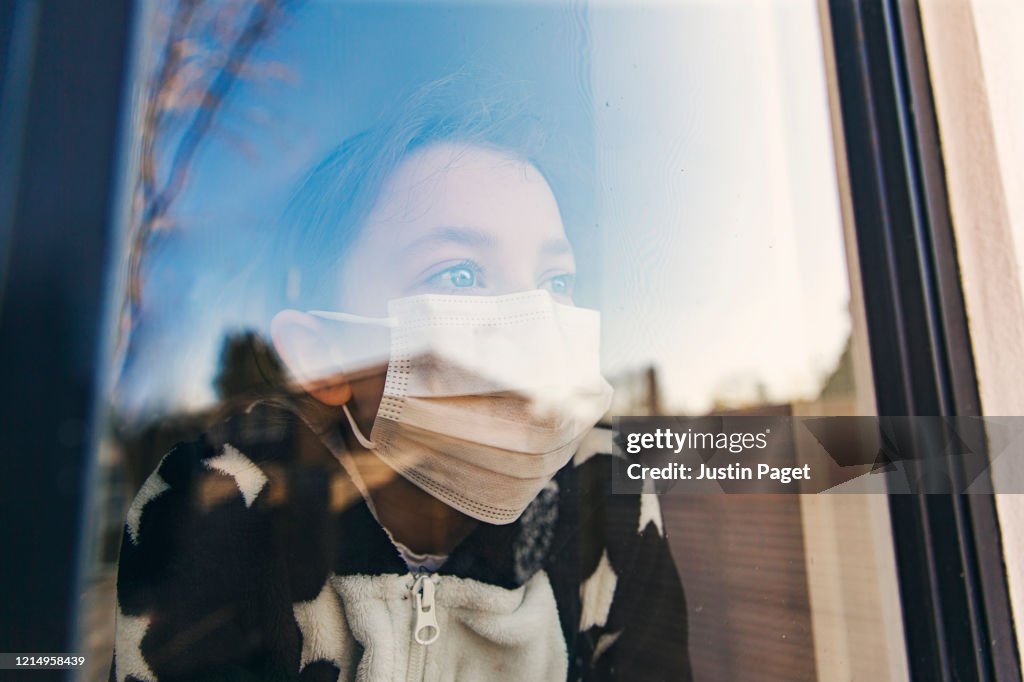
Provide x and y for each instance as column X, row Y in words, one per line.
column 430, row 499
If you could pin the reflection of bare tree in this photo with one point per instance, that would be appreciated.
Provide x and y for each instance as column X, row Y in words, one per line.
column 249, row 366
column 206, row 48
column 200, row 49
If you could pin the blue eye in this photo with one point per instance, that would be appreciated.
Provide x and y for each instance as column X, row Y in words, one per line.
column 462, row 276
column 561, row 285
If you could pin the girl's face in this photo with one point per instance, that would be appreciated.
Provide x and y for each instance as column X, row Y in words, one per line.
column 458, row 219
column 452, row 219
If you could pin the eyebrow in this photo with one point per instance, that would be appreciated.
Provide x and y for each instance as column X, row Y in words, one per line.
column 557, row 247
column 465, row 236
column 468, row 236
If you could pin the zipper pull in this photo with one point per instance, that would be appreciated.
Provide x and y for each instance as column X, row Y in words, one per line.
column 426, row 631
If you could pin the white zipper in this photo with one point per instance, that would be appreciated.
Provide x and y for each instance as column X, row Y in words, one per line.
column 425, row 629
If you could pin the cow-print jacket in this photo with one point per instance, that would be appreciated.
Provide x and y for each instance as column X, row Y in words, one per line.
column 250, row 554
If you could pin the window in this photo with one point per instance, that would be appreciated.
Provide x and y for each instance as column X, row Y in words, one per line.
column 750, row 194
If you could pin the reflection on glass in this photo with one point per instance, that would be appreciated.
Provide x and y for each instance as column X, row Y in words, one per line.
column 447, row 231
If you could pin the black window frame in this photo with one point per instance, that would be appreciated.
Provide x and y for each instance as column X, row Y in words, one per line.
column 62, row 91
column 953, row 589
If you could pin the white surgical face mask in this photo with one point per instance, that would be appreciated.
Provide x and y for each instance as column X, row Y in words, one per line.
column 486, row 397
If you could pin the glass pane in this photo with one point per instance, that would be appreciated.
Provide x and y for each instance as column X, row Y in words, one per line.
column 331, row 202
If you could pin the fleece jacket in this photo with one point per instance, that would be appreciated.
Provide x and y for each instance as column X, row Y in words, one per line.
column 250, row 554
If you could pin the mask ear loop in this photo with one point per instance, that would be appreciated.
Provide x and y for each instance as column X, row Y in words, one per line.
column 338, row 316
column 355, row 319
column 334, row 444
column 363, row 440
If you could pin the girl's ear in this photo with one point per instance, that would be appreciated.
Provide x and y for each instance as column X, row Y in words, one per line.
column 303, row 344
